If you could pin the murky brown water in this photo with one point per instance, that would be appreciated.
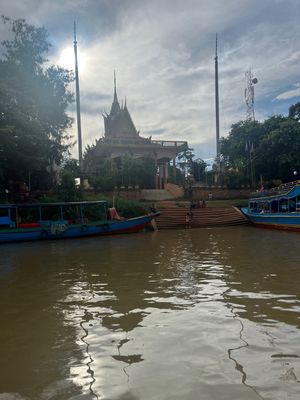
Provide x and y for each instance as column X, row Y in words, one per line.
column 192, row 314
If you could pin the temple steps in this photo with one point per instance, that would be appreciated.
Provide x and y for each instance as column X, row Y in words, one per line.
column 172, row 218
column 156, row 194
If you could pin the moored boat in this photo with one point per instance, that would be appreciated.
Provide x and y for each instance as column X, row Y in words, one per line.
column 278, row 208
column 40, row 221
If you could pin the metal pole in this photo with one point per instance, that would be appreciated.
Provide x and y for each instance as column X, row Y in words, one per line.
column 217, row 112
column 29, row 181
column 217, row 102
column 78, row 103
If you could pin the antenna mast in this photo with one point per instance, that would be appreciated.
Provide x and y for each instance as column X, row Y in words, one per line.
column 78, row 103
column 249, row 95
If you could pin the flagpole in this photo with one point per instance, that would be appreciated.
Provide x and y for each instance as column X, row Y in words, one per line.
column 217, row 101
column 217, row 112
column 78, row 104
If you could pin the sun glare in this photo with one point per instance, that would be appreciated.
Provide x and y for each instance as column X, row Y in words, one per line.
column 67, row 59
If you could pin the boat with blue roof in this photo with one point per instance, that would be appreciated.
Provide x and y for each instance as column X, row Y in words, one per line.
column 278, row 208
column 42, row 221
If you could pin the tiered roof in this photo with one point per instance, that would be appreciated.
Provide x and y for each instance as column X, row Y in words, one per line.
column 118, row 123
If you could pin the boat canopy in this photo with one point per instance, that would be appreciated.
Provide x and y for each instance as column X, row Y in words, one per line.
column 277, row 194
column 67, row 203
column 288, row 202
column 16, row 215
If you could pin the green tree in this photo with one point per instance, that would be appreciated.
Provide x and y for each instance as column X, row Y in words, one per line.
column 185, row 161
column 268, row 148
column 67, row 189
column 237, row 148
column 294, row 112
column 105, row 177
column 199, row 167
column 140, row 172
column 126, row 171
column 72, row 165
column 278, row 152
column 33, row 103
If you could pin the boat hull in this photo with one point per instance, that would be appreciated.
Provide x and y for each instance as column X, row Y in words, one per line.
column 287, row 221
column 65, row 231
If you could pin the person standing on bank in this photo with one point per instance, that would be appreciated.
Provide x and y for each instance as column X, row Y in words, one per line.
column 188, row 219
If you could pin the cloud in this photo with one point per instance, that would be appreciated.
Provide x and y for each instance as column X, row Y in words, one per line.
column 163, row 52
column 289, row 94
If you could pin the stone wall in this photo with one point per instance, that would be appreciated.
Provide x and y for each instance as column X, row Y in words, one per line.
column 199, row 193
column 206, row 193
column 134, row 194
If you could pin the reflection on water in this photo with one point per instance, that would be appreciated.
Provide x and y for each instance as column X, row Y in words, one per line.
column 166, row 315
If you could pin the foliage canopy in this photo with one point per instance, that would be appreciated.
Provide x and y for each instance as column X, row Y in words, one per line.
column 33, row 104
column 269, row 149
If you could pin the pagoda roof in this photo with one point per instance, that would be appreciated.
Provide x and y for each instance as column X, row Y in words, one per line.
column 118, row 123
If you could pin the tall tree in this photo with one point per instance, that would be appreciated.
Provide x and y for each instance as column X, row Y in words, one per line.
column 185, row 160
column 278, row 153
column 33, row 104
column 199, row 168
column 269, row 148
column 126, row 171
column 294, row 111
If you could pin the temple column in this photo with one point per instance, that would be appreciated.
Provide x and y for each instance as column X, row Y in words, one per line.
column 157, row 179
column 166, row 172
column 174, row 169
column 161, row 174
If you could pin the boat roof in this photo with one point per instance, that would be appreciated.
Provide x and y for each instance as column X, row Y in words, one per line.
column 277, row 193
column 67, row 203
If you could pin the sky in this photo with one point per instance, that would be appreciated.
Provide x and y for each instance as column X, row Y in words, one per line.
column 163, row 54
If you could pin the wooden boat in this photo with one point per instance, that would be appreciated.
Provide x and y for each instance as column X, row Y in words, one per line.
column 278, row 208
column 41, row 221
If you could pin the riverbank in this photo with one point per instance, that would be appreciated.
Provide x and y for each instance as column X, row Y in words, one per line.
column 179, row 217
column 216, row 212
column 184, row 203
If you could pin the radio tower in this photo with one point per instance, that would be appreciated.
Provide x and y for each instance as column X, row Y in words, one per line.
column 249, row 95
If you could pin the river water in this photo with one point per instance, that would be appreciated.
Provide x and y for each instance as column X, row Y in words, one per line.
column 210, row 314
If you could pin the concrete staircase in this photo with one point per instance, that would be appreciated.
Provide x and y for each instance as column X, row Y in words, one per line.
column 156, row 195
column 174, row 190
column 172, row 218
column 170, row 192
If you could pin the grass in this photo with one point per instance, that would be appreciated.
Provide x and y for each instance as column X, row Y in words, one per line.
column 126, row 208
column 134, row 208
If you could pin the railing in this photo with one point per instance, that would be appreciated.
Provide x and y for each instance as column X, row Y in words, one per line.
column 143, row 141
column 171, row 143
column 281, row 189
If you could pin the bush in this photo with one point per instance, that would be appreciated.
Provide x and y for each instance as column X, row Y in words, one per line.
column 67, row 189
column 126, row 208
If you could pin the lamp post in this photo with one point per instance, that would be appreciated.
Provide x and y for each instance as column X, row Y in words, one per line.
column 295, row 173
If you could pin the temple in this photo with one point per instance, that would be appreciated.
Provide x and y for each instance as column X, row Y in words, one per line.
column 121, row 137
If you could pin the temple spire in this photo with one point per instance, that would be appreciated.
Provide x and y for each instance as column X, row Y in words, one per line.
column 115, row 85
column 115, row 107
